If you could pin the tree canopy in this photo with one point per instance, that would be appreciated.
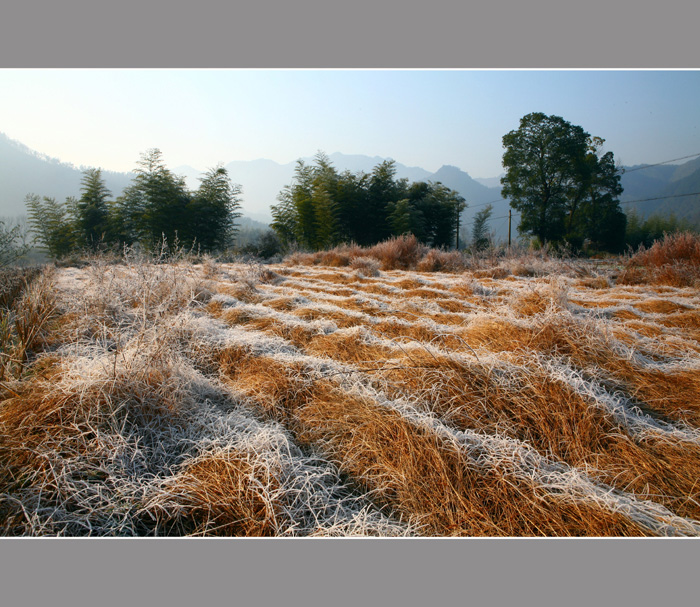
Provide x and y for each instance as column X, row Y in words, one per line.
column 322, row 207
column 156, row 205
column 565, row 188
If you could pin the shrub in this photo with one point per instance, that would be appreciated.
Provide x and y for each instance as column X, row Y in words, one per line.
column 436, row 260
column 673, row 248
column 399, row 253
column 674, row 261
column 367, row 266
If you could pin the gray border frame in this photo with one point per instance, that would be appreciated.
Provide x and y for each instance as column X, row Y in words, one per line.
column 343, row 34
column 597, row 34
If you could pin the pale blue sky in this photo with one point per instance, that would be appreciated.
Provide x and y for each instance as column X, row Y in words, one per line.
column 107, row 118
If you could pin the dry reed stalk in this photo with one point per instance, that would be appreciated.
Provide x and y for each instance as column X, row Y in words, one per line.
column 436, row 260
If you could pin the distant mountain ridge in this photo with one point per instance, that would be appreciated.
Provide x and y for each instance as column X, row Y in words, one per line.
column 24, row 171
column 674, row 189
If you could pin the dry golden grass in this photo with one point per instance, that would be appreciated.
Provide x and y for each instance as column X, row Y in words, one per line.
column 673, row 261
column 412, row 471
column 46, row 422
column 422, row 476
column 660, row 306
column 685, row 320
column 597, row 282
column 341, row 319
column 429, row 394
column 673, row 394
column 348, row 347
column 224, row 493
column 626, row 315
column 423, row 293
column 242, row 292
column 555, row 420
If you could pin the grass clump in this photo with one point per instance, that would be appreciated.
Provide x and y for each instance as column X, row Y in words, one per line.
column 225, row 492
column 673, row 261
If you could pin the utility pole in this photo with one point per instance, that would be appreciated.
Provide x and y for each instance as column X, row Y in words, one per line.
column 457, row 245
column 509, row 216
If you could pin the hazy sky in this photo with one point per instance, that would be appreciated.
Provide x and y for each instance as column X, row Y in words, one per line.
column 108, row 117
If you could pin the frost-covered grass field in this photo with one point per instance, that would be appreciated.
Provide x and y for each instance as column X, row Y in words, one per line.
column 518, row 397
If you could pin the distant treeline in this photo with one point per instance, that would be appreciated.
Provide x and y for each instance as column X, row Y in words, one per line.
column 645, row 232
column 322, row 207
column 156, row 206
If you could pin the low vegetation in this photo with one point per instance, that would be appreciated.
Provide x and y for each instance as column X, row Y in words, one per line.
column 391, row 390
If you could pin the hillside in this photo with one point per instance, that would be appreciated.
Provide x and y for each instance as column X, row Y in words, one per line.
column 666, row 184
column 23, row 171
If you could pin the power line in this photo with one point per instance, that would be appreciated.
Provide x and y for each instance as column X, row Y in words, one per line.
column 659, row 197
column 646, row 166
column 483, row 204
column 624, row 171
column 468, row 223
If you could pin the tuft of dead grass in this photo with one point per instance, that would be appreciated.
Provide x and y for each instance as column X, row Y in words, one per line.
column 225, row 493
column 673, row 261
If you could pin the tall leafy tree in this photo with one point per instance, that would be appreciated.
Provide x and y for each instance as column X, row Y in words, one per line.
column 155, row 204
column 384, row 189
column 307, row 209
column 324, row 202
column 442, row 207
column 285, row 217
column 480, row 232
column 555, row 176
column 322, row 207
column 52, row 224
column 302, row 199
column 92, row 210
column 600, row 219
column 351, row 200
column 12, row 245
column 212, row 212
column 405, row 217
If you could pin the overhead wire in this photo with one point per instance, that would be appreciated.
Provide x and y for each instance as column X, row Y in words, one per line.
column 624, row 172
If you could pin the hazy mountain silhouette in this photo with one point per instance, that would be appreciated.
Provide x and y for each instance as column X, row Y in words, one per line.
column 490, row 182
column 24, row 171
column 667, row 186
